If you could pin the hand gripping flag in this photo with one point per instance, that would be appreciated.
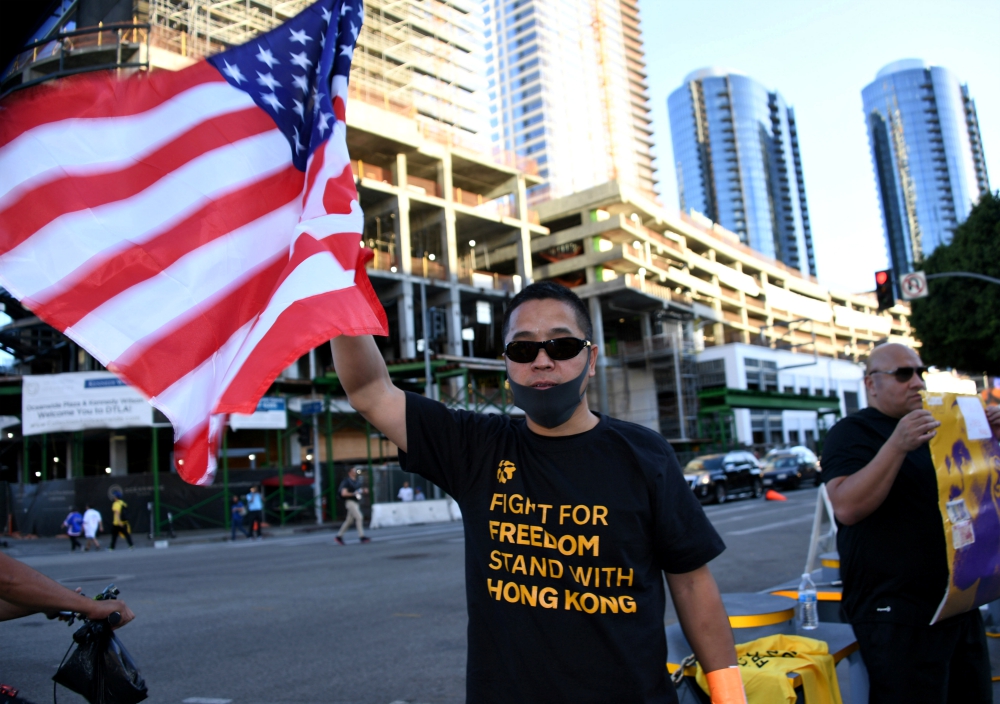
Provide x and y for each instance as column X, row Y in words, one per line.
column 197, row 231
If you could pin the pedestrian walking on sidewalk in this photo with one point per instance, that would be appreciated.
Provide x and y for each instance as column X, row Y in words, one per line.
column 405, row 492
column 92, row 522
column 119, row 526
column 255, row 512
column 351, row 491
column 74, row 526
column 238, row 511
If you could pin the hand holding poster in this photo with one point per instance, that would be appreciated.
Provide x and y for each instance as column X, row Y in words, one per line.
column 967, row 461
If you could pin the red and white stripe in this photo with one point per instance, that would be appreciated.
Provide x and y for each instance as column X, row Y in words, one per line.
column 159, row 223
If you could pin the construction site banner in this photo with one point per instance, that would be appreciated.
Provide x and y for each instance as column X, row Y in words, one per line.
column 967, row 461
column 80, row 400
column 271, row 414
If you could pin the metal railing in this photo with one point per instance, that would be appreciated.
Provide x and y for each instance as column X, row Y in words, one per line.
column 70, row 53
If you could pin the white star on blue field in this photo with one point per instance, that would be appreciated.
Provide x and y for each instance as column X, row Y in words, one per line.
column 289, row 70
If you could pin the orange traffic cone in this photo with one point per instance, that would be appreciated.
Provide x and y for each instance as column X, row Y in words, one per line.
column 772, row 495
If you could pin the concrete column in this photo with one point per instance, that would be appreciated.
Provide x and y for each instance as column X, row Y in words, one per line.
column 405, row 322
column 524, row 266
column 647, row 332
column 769, row 321
column 679, row 381
column 402, row 224
column 454, row 321
column 118, row 455
column 597, row 319
column 590, row 245
column 444, row 178
column 743, row 308
column 449, row 245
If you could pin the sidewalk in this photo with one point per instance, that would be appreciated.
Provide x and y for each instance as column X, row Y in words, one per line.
column 22, row 547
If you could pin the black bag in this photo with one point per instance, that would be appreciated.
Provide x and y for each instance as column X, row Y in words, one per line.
column 100, row 669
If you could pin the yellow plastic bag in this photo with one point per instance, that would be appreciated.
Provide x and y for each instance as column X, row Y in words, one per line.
column 765, row 664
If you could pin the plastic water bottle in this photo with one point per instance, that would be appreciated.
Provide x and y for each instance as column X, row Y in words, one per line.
column 808, row 608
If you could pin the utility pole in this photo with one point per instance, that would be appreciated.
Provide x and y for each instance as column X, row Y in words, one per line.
column 317, row 473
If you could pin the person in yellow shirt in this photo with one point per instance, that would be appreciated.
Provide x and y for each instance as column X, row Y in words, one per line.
column 119, row 526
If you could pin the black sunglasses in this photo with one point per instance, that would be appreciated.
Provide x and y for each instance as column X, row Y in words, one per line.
column 559, row 349
column 903, row 374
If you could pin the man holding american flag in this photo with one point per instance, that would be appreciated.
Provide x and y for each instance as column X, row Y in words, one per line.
column 198, row 231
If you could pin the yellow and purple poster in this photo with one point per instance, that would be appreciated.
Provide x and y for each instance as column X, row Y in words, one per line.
column 967, row 460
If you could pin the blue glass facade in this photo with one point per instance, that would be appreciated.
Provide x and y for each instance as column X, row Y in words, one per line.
column 736, row 152
column 546, row 59
column 927, row 154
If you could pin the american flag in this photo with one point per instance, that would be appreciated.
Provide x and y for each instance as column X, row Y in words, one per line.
column 198, row 231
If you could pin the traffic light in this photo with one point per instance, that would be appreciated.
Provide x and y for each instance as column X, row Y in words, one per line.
column 884, row 289
column 304, row 431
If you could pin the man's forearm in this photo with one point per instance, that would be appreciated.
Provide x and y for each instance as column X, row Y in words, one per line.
column 11, row 611
column 362, row 372
column 32, row 592
column 858, row 495
column 703, row 618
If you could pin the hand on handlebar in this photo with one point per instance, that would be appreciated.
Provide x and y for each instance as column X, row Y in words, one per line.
column 100, row 610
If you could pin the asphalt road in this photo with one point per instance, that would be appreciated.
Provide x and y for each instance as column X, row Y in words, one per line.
column 300, row 619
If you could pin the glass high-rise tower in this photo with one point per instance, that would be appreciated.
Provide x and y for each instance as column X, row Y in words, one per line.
column 736, row 153
column 567, row 88
column 927, row 154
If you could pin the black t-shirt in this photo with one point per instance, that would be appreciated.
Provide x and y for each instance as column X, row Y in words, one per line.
column 893, row 563
column 352, row 485
column 566, row 540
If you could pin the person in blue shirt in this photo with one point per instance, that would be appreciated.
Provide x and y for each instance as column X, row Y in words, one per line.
column 255, row 511
column 237, row 511
column 74, row 526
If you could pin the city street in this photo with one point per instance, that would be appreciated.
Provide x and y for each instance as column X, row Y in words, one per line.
column 300, row 619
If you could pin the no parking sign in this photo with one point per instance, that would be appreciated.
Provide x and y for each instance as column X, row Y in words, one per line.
column 913, row 285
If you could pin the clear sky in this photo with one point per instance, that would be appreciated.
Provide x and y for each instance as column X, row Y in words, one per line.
column 819, row 54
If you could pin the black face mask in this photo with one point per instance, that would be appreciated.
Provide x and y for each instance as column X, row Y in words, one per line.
column 553, row 406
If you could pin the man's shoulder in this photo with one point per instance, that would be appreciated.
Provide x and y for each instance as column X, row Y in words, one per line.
column 865, row 419
column 635, row 433
column 429, row 409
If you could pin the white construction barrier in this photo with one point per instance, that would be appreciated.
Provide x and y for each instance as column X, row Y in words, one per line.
column 407, row 513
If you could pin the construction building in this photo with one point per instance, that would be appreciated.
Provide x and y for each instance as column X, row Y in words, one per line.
column 567, row 88
column 454, row 238
column 667, row 291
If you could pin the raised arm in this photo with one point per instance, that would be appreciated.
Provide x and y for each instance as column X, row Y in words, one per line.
column 857, row 496
column 361, row 371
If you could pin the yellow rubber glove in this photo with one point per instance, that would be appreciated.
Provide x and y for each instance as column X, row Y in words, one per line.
column 726, row 686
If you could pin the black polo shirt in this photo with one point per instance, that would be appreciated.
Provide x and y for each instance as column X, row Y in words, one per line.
column 893, row 563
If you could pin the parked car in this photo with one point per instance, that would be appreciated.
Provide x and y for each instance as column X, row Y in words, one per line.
column 788, row 469
column 717, row 478
column 802, row 451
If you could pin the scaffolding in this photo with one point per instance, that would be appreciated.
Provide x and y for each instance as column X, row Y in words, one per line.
column 416, row 58
column 199, row 29
column 654, row 382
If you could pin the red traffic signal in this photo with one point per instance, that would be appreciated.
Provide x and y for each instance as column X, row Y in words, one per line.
column 884, row 290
